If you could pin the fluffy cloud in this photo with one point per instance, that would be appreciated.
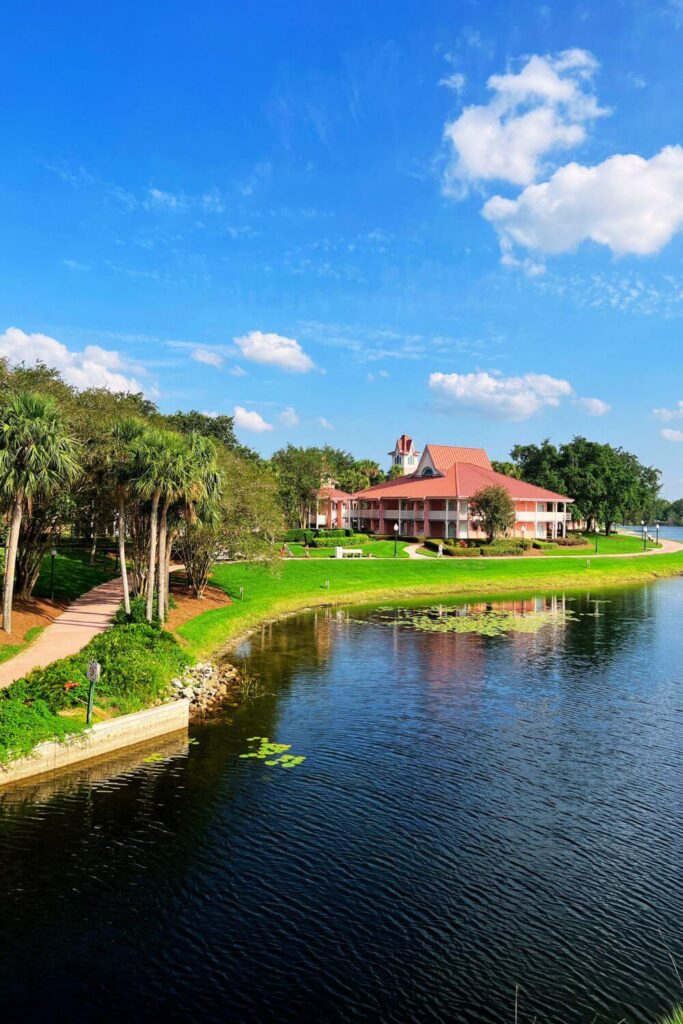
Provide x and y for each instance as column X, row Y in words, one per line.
column 671, row 435
column 669, row 414
column 511, row 398
column 542, row 108
column 274, row 350
column 207, row 356
column 454, row 81
column 247, row 419
column 325, row 424
column 289, row 417
column 94, row 367
column 592, row 406
column 628, row 203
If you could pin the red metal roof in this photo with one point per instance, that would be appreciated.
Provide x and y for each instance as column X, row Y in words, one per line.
column 460, row 480
column 444, row 455
column 333, row 493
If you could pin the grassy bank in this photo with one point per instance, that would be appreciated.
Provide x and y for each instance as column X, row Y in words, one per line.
column 138, row 662
column 302, row 584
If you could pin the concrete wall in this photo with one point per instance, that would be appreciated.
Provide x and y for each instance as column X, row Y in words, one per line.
column 103, row 738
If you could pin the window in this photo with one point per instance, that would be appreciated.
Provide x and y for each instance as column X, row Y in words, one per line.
column 428, row 471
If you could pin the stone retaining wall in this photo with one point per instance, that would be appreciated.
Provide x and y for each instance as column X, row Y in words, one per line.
column 103, row 738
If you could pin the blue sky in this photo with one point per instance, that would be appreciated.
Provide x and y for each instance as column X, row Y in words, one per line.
column 350, row 220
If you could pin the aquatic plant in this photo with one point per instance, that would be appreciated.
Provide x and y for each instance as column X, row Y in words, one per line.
column 675, row 1017
column 493, row 622
column 272, row 753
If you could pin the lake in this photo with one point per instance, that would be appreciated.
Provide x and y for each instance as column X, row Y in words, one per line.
column 477, row 811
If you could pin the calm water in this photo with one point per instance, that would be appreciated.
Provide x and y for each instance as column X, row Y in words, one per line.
column 474, row 813
column 670, row 532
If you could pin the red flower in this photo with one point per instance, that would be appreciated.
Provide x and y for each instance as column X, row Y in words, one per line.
column 70, row 686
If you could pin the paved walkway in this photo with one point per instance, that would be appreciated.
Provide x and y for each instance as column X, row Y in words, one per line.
column 668, row 547
column 88, row 615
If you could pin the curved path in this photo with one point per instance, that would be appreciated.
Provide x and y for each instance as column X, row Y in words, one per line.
column 83, row 619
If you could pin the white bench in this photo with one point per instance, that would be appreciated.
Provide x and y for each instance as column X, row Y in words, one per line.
column 348, row 552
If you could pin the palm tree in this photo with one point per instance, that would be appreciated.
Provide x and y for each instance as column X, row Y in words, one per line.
column 125, row 434
column 192, row 478
column 156, row 451
column 37, row 455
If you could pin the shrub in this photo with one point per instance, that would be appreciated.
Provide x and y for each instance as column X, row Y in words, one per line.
column 544, row 545
column 138, row 610
column 502, row 547
column 354, row 541
column 463, row 552
column 138, row 662
column 298, row 536
column 449, row 548
column 335, row 533
column 24, row 725
column 571, row 542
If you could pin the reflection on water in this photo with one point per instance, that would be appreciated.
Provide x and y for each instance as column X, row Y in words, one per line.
column 474, row 812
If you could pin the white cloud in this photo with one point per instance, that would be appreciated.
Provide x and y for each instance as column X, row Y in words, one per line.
column 237, row 371
column 455, row 81
column 157, row 197
column 75, row 265
column 512, row 398
column 380, row 373
column 274, row 350
column 592, row 406
column 628, row 203
column 669, row 414
column 671, row 435
column 289, row 417
column 247, row 419
column 207, row 356
column 94, row 367
column 325, row 424
column 542, row 108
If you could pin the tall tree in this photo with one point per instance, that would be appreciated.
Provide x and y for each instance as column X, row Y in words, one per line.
column 37, row 455
column 155, row 455
column 124, row 436
column 495, row 508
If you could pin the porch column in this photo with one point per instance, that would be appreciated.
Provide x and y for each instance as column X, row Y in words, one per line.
column 382, row 528
column 427, row 526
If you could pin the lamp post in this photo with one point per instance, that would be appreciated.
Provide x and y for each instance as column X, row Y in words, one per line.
column 523, row 536
column 642, row 524
column 53, row 555
column 597, row 534
column 657, row 529
column 395, row 539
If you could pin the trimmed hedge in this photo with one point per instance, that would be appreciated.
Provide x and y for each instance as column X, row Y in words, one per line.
column 334, row 533
column 571, row 542
column 450, row 550
column 495, row 550
column 355, row 540
column 298, row 536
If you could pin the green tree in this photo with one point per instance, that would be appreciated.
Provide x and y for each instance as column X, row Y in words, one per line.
column 507, row 468
column 495, row 509
column 298, row 472
column 37, row 456
column 121, row 461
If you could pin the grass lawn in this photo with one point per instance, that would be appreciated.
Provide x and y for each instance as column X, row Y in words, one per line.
column 73, row 575
column 376, row 548
column 8, row 651
column 616, row 544
column 302, row 584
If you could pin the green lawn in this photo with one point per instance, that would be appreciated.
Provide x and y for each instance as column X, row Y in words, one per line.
column 376, row 548
column 8, row 651
column 298, row 584
column 616, row 544
column 73, row 575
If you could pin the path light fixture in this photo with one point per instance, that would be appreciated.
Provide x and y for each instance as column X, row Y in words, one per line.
column 523, row 536
column 395, row 539
column 642, row 523
column 53, row 555
column 597, row 534
column 657, row 529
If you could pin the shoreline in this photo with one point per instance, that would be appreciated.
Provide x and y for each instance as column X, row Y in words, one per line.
column 218, row 634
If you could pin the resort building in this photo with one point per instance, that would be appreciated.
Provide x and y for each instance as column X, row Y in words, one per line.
column 434, row 499
column 331, row 507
